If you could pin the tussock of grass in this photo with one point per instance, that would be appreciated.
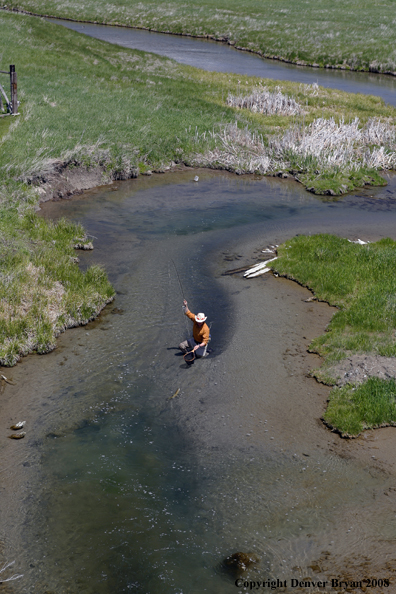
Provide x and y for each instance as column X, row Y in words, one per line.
column 338, row 181
column 342, row 145
column 348, row 35
column 368, row 406
column 361, row 281
column 260, row 100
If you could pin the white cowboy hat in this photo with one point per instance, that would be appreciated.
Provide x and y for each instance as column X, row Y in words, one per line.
column 200, row 318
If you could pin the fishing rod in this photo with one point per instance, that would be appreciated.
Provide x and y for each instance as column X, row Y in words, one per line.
column 178, row 278
column 182, row 292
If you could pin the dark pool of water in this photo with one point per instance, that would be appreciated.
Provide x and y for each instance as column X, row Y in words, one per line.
column 133, row 492
column 220, row 57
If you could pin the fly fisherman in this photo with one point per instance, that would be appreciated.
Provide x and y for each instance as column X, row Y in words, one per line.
column 201, row 334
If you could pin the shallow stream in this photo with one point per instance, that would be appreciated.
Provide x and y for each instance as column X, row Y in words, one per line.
column 118, row 487
column 128, row 490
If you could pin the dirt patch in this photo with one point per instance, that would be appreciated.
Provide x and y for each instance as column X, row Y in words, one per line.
column 359, row 368
column 64, row 179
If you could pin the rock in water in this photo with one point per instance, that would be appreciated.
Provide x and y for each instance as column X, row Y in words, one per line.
column 239, row 562
column 84, row 246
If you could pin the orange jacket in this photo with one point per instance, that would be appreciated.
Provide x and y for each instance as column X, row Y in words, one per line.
column 200, row 334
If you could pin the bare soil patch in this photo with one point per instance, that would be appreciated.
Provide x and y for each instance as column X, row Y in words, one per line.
column 63, row 181
column 356, row 369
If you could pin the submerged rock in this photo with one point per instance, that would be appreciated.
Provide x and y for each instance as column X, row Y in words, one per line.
column 84, row 246
column 239, row 562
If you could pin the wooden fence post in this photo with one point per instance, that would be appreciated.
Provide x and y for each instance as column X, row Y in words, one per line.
column 14, row 95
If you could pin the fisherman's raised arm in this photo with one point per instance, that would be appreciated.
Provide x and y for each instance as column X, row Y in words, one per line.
column 188, row 313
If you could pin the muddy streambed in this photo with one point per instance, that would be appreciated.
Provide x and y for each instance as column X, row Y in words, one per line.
column 116, row 488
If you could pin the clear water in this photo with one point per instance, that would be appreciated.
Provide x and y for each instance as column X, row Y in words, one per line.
column 131, row 491
column 220, row 57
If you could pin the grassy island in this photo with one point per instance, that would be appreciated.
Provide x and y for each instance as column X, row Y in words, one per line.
column 349, row 35
column 113, row 113
column 361, row 281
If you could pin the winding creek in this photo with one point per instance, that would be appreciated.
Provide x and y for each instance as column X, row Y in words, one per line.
column 118, row 488
column 220, row 57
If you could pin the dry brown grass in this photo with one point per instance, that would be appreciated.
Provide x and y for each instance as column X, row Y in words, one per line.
column 261, row 100
column 324, row 144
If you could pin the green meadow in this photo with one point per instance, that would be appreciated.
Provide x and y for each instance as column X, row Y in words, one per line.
column 87, row 101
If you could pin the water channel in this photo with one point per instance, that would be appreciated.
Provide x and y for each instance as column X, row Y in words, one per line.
column 117, row 487
column 220, row 57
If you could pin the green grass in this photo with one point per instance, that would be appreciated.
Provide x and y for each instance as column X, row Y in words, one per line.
column 77, row 91
column 368, row 406
column 361, row 281
column 42, row 290
column 348, row 34
column 335, row 182
column 5, row 123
